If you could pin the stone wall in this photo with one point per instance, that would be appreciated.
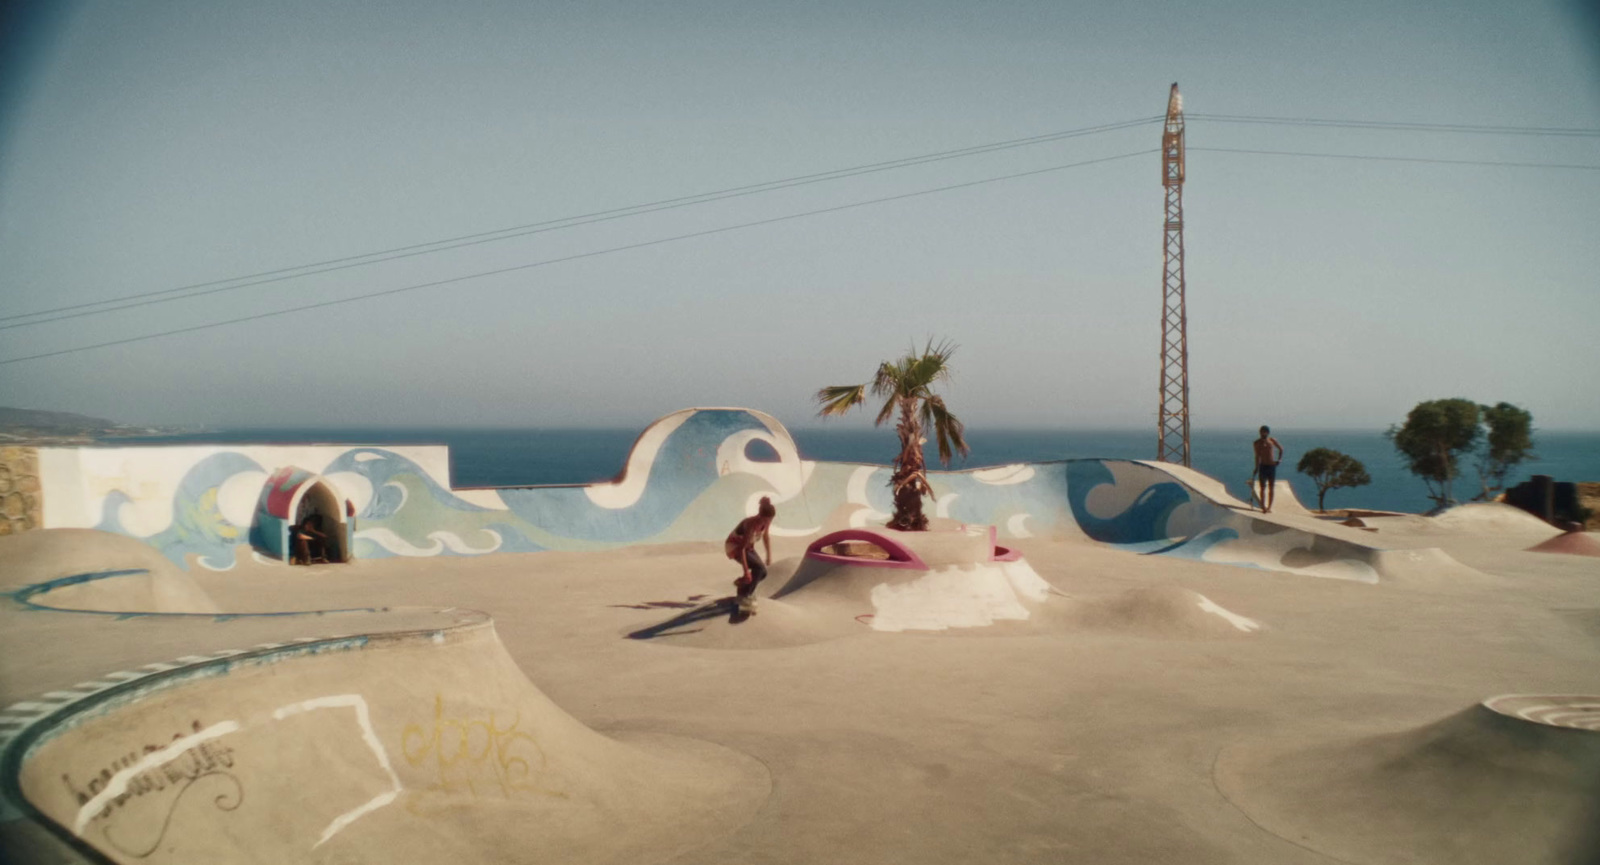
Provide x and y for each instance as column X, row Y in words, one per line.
column 21, row 499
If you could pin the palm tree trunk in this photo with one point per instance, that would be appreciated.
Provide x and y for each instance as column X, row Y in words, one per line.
column 910, row 479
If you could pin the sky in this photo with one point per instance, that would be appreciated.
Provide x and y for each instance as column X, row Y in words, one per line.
column 149, row 146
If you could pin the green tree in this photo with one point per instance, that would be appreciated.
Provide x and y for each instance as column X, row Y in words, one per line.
column 1508, row 443
column 907, row 384
column 1331, row 470
column 1433, row 438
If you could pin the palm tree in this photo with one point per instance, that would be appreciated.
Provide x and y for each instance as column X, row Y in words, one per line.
column 907, row 384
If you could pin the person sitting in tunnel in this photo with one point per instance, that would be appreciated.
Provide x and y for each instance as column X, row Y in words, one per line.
column 309, row 542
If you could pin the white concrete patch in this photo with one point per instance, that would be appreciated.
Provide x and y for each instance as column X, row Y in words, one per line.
column 1234, row 619
column 953, row 597
column 368, row 735
column 119, row 782
column 637, row 475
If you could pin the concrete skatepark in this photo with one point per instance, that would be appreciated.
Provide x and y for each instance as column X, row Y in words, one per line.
column 1090, row 660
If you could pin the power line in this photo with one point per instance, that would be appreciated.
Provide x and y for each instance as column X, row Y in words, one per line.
column 202, row 289
column 1401, row 125
column 1401, row 158
column 575, row 257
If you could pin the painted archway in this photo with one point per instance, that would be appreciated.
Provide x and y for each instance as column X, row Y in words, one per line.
column 290, row 496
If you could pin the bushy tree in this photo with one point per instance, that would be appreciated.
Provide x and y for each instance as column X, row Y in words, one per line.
column 1433, row 438
column 907, row 385
column 1331, row 470
column 1508, row 443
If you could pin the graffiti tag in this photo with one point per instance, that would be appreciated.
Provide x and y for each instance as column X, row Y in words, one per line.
column 477, row 756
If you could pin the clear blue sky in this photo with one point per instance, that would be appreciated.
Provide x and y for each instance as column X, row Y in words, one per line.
column 145, row 146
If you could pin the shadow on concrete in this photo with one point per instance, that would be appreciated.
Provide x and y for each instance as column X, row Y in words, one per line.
column 677, row 625
column 692, row 601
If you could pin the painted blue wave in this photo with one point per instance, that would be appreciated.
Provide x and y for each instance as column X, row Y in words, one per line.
column 1042, row 496
column 198, row 527
column 684, row 468
column 387, row 500
column 1143, row 521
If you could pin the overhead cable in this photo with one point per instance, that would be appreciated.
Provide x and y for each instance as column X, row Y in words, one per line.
column 1430, row 159
column 201, row 289
column 581, row 255
column 1404, row 126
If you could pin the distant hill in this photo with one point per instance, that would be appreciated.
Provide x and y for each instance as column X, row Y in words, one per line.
column 51, row 421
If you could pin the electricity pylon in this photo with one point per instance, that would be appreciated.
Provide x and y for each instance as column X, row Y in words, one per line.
column 1172, row 430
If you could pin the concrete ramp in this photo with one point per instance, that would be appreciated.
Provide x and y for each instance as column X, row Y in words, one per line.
column 1513, row 779
column 84, row 569
column 419, row 746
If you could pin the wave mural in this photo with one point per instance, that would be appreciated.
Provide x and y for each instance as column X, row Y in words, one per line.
column 689, row 477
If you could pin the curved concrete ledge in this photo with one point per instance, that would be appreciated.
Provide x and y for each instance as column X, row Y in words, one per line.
column 412, row 744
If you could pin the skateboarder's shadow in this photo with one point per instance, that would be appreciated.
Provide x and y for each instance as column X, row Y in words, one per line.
column 728, row 606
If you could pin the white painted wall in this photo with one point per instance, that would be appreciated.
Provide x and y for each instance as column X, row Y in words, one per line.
column 76, row 481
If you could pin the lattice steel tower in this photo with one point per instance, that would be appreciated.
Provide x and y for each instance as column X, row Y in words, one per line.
column 1172, row 430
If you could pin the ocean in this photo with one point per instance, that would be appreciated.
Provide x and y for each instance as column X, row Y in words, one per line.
column 527, row 457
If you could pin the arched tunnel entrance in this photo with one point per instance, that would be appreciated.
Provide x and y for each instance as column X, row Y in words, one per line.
column 300, row 518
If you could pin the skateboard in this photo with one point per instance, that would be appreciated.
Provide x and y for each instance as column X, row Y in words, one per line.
column 747, row 605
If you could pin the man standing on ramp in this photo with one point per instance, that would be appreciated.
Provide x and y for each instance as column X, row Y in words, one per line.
column 1267, row 466
column 741, row 547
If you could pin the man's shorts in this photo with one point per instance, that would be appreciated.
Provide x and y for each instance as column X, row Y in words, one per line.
column 1267, row 472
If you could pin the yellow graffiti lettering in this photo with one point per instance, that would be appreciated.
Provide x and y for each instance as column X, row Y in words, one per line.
column 476, row 756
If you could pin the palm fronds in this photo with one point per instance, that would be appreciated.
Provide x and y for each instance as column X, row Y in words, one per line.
column 946, row 427
column 838, row 399
column 907, row 384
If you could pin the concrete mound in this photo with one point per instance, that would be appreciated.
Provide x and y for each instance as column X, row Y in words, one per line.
column 1570, row 544
column 417, row 747
column 1513, row 779
column 1167, row 611
column 1428, row 566
column 85, row 569
column 1492, row 517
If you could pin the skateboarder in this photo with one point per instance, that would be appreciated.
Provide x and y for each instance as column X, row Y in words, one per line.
column 741, row 547
column 1267, row 465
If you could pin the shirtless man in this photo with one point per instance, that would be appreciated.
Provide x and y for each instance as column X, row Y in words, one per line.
column 741, row 547
column 1267, row 465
